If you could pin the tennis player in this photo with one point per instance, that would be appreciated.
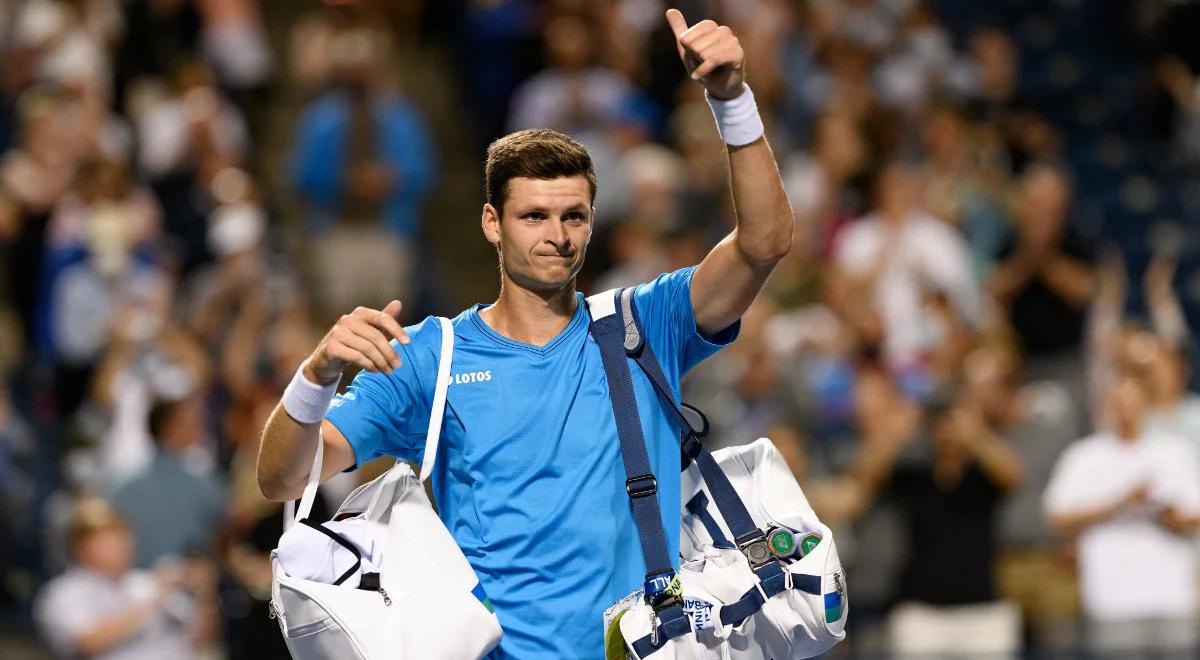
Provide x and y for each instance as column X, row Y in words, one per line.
column 531, row 482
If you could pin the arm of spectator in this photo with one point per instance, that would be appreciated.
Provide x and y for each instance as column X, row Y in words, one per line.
column 1175, row 76
column 876, row 460
column 116, row 629
column 1069, row 278
column 1011, row 275
column 993, row 453
column 1178, row 522
column 730, row 277
column 1166, row 314
column 1073, row 521
column 242, row 345
column 201, row 579
column 184, row 350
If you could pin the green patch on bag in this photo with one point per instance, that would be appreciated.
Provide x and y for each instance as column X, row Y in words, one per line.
column 614, row 642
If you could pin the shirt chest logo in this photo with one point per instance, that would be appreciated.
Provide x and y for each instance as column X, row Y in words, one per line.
column 471, row 377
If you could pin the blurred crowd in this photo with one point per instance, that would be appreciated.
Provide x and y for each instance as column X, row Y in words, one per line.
column 977, row 358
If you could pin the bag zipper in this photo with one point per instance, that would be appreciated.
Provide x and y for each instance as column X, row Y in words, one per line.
column 387, row 601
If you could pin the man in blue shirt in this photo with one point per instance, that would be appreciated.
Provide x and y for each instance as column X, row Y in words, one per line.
column 530, row 480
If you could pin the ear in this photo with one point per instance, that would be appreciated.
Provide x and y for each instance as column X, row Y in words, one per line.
column 490, row 222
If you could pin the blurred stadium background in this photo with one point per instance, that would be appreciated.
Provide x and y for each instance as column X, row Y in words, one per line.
column 996, row 208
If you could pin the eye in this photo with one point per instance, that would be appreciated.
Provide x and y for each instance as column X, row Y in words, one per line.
column 576, row 216
column 534, row 216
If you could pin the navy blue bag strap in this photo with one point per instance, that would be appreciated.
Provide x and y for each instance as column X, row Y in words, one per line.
column 728, row 503
column 640, row 485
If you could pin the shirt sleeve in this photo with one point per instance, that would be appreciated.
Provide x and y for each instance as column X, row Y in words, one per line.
column 385, row 414
column 62, row 616
column 1062, row 490
column 664, row 307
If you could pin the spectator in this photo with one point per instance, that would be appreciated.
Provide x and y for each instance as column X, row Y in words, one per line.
column 1038, row 421
column 950, row 493
column 1045, row 280
column 1125, row 494
column 172, row 510
column 102, row 607
column 894, row 255
column 364, row 161
column 571, row 95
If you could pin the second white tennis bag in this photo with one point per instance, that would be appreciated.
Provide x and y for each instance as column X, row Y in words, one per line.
column 424, row 603
column 759, row 577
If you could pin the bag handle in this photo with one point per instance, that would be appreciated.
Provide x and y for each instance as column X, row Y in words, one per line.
column 432, row 436
column 434, row 433
column 290, row 513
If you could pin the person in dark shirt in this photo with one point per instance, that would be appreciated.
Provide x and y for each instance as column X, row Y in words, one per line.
column 949, row 491
column 1045, row 281
column 1045, row 277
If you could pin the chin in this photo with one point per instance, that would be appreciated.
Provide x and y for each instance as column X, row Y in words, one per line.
column 550, row 282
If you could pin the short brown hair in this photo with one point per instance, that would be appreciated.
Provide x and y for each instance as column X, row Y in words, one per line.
column 535, row 153
column 92, row 515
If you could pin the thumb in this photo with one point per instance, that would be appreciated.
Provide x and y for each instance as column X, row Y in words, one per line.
column 393, row 308
column 677, row 22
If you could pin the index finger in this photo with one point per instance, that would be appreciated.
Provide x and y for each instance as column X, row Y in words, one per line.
column 677, row 22
column 389, row 324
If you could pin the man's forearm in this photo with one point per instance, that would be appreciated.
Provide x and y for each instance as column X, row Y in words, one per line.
column 764, row 215
column 285, row 455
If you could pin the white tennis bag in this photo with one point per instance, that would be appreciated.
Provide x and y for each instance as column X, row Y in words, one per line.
column 424, row 603
column 759, row 577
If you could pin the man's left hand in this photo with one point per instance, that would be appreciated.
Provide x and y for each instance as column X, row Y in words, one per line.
column 711, row 54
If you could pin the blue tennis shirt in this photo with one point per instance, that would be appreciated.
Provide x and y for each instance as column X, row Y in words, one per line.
column 529, row 479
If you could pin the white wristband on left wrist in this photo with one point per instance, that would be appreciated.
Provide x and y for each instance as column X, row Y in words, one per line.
column 738, row 120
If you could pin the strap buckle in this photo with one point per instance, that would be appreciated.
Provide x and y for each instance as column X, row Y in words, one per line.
column 641, row 486
column 757, row 549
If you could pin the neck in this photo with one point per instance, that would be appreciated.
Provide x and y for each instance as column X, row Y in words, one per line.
column 530, row 317
column 1127, row 432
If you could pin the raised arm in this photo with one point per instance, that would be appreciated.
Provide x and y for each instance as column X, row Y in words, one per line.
column 288, row 444
column 732, row 274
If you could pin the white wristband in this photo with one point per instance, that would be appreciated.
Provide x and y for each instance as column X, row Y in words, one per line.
column 737, row 119
column 305, row 401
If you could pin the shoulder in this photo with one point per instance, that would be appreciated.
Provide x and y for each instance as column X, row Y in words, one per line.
column 667, row 287
column 1085, row 449
column 324, row 111
column 1171, row 445
column 856, row 237
column 925, row 227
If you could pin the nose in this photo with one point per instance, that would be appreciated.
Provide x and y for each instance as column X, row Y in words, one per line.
column 557, row 235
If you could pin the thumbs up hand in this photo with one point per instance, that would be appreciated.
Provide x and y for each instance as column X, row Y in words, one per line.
column 711, row 54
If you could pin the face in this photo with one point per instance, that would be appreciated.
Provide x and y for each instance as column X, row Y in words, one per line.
column 544, row 233
column 1043, row 202
column 107, row 551
column 1127, row 402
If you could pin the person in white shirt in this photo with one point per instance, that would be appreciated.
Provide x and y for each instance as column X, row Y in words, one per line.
column 898, row 254
column 103, row 608
column 1132, row 500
